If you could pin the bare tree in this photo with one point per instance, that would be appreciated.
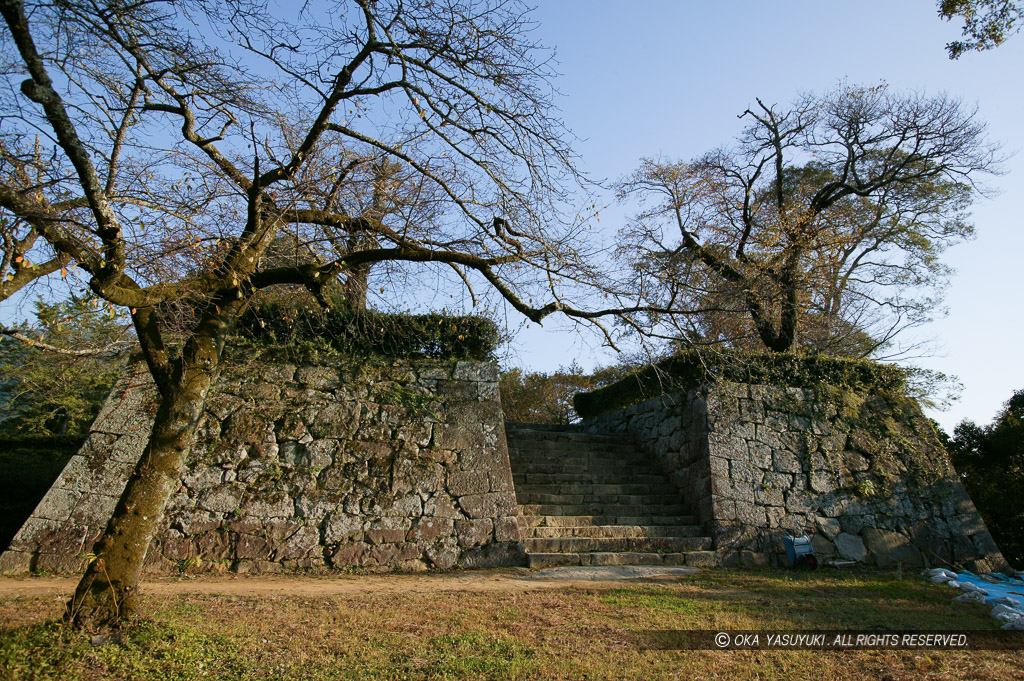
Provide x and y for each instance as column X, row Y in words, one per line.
column 24, row 258
column 821, row 229
column 182, row 138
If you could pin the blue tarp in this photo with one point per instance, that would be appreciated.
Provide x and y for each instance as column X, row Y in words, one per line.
column 1004, row 586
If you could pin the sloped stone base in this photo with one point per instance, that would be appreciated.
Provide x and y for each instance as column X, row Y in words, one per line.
column 864, row 474
column 303, row 467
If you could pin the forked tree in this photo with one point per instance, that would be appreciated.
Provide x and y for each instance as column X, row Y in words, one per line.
column 160, row 147
column 822, row 228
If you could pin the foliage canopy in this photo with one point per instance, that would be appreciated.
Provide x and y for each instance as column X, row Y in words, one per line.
column 820, row 230
column 692, row 368
column 55, row 394
column 990, row 460
column 987, row 23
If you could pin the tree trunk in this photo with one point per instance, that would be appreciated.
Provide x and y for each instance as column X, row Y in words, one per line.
column 780, row 337
column 107, row 593
column 776, row 339
column 357, row 282
column 357, row 279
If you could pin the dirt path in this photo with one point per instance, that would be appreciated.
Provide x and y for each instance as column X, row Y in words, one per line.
column 508, row 579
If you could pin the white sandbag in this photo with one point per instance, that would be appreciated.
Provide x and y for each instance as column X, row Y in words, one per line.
column 1016, row 625
column 1007, row 601
column 970, row 597
column 967, row 586
column 1004, row 613
column 939, row 571
column 940, row 575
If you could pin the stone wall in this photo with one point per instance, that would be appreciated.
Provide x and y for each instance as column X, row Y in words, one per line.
column 397, row 466
column 864, row 475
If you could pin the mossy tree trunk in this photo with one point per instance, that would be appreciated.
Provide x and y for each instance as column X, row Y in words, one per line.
column 147, row 73
column 107, row 594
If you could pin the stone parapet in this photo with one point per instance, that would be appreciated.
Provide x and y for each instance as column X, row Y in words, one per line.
column 864, row 475
column 303, row 467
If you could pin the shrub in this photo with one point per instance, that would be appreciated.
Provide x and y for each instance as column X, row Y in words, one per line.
column 691, row 368
column 436, row 335
column 990, row 461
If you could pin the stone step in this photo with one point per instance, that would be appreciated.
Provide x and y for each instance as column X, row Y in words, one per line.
column 589, row 444
column 641, row 500
column 587, row 478
column 612, row 531
column 694, row 558
column 598, row 520
column 516, row 426
column 582, row 466
column 603, row 509
column 618, row 465
column 531, row 436
column 591, row 487
column 616, row 544
column 589, row 499
column 577, row 456
column 586, row 443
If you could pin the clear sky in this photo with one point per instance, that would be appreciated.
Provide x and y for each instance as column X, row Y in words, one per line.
column 657, row 77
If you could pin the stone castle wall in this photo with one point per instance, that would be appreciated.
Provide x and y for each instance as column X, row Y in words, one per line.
column 864, row 475
column 399, row 466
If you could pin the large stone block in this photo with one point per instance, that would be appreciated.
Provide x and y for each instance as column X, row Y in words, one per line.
column 338, row 420
column 474, row 532
column 222, row 498
column 851, row 547
column 252, row 547
column 823, row 548
column 461, row 483
column 487, row 505
column 443, row 553
column 888, row 548
column 428, row 529
column 507, row 529
column 58, row 504
column 15, row 562
column 349, row 553
column 786, row 462
column 440, row 505
column 828, row 527
column 410, row 506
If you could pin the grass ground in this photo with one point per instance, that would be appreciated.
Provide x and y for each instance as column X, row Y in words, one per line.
column 577, row 632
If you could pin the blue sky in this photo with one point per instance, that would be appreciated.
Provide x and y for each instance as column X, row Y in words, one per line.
column 655, row 77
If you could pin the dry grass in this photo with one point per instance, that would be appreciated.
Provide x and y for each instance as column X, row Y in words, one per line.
column 572, row 633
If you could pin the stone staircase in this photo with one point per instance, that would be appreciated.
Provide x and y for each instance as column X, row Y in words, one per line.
column 591, row 499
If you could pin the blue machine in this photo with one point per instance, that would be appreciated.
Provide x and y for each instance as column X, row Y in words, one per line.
column 800, row 553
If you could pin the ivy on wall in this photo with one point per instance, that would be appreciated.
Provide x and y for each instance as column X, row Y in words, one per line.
column 691, row 368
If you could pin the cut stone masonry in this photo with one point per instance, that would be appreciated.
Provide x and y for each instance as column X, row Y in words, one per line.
column 399, row 466
column 406, row 466
column 864, row 475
